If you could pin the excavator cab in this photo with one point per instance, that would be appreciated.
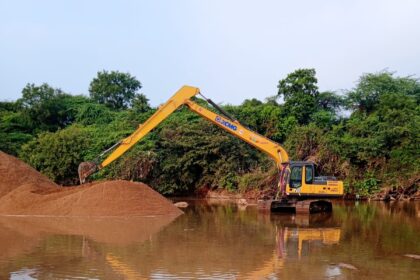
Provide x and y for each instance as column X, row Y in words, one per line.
column 302, row 183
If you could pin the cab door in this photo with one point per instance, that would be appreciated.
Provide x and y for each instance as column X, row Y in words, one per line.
column 309, row 179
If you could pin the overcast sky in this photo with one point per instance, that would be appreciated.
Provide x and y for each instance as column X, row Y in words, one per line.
column 232, row 50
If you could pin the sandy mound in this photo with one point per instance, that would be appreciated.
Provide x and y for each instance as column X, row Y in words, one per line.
column 24, row 191
column 15, row 173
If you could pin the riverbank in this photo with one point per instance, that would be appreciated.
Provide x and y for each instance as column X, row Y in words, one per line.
column 405, row 194
column 387, row 194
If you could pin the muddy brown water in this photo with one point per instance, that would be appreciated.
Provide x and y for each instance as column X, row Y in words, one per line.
column 215, row 240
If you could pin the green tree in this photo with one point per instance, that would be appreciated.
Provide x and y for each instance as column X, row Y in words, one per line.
column 6, row 106
column 299, row 91
column 47, row 108
column 40, row 108
column 366, row 95
column 329, row 101
column 58, row 154
column 93, row 113
column 304, row 102
column 301, row 81
column 382, row 134
column 115, row 89
column 304, row 142
column 266, row 118
column 14, row 131
column 140, row 104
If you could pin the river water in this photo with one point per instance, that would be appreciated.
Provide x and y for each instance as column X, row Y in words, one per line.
column 215, row 240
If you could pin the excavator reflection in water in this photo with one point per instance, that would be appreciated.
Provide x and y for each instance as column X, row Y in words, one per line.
column 297, row 180
column 292, row 234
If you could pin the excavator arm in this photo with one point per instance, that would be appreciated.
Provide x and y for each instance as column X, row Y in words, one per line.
column 183, row 97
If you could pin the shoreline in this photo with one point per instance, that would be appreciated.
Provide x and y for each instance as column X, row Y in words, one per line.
column 255, row 195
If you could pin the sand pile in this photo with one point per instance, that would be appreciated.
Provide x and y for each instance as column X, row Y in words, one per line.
column 24, row 191
column 15, row 173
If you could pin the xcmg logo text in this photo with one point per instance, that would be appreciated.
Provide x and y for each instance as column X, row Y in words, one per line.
column 226, row 123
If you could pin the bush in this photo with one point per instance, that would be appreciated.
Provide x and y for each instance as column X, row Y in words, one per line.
column 367, row 186
column 91, row 113
column 58, row 154
column 252, row 180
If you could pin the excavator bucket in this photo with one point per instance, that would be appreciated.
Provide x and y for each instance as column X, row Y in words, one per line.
column 85, row 169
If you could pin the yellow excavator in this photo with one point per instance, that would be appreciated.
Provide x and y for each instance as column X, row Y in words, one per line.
column 297, row 181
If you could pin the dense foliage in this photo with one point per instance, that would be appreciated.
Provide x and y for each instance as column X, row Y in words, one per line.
column 114, row 89
column 368, row 136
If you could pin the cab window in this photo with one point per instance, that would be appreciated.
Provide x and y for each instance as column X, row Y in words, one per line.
column 296, row 177
column 309, row 174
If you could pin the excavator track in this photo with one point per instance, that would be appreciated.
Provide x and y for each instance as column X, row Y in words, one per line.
column 313, row 206
column 297, row 206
